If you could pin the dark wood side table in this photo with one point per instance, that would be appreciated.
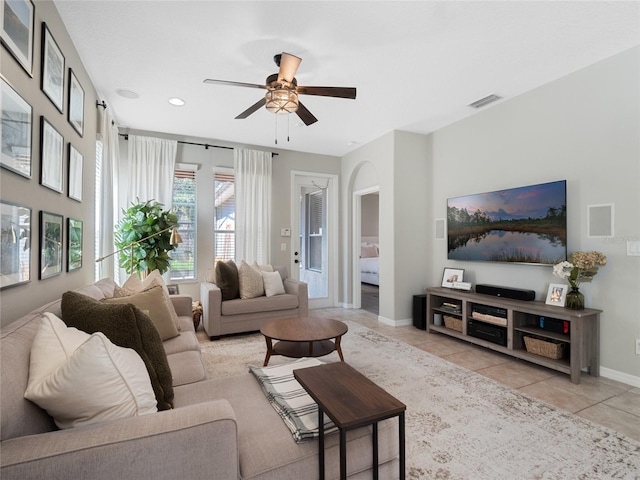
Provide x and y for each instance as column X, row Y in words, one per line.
column 351, row 400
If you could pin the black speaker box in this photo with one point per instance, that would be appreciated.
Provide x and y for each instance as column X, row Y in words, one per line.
column 506, row 292
column 420, row 311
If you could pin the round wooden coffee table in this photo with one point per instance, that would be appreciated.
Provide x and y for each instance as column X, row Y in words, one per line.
column 303, row 337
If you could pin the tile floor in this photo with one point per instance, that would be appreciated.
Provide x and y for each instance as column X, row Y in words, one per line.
column 607, row 402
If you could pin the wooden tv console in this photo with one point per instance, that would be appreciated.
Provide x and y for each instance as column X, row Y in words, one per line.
column 580, row 343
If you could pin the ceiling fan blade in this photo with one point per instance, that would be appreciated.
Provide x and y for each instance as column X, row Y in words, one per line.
column 305, row 115
column 288, row 67
column 235, row 84
column 339, row 92
column 253, row 108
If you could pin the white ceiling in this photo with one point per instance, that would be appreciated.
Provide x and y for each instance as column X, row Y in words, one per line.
column 416, row 64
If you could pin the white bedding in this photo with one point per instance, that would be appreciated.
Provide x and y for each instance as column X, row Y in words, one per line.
column 370, row 270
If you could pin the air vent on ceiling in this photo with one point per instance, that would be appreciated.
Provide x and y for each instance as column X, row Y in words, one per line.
column 485, row 101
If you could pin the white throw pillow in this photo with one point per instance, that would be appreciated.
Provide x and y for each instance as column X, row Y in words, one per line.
column 262, row 268
column 272, row 283
column 251, row 283
column 82, row 382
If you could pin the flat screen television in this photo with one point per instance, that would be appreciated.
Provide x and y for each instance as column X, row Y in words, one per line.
column 518, row 225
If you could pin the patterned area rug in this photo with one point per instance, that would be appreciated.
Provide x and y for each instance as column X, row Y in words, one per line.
column 461, row 425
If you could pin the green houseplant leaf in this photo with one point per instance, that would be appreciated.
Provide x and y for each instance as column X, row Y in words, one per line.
column 141, row 254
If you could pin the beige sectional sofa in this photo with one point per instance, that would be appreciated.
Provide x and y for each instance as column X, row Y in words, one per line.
column 224, row 317
column 218, row 429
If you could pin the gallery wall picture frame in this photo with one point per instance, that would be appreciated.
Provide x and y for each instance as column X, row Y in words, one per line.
column 16, row 129
column 76, row 163
column 15, row 244
column 452, row 275
column 17, row 19
column 557, row 294
column 74, row 244
column 51, row 156
column 51, row 236
column 52, row 83
column 76, row 103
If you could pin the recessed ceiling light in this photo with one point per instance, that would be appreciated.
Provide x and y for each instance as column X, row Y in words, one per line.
column 177, row 102
column 127, row 93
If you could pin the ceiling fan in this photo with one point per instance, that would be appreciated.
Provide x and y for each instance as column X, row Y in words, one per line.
column 283, row 90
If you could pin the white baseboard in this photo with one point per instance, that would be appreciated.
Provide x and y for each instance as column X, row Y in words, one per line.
column 394, row 323
column 632, row 380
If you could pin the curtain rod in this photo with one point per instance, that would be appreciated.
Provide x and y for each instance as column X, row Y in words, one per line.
column 205, row 145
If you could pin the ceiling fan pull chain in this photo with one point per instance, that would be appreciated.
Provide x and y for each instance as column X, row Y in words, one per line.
column 288, row 123
column 276, row 131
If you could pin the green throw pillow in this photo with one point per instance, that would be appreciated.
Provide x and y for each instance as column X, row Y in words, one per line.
column 227, row 279
column 126, row 326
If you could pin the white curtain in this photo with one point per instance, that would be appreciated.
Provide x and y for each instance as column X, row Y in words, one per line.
column 151, row 164
column 108, row 188
column 253, row 205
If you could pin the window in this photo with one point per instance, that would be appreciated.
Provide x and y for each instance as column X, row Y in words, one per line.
column 183, row 258
column 224, row 221
column 315, row 222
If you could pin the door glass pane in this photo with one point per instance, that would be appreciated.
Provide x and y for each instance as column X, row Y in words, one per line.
column 313, row 241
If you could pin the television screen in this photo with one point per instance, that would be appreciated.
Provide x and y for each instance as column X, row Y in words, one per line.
column 519, row 225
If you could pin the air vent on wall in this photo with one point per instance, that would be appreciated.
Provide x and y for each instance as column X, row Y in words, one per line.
column 485, row 101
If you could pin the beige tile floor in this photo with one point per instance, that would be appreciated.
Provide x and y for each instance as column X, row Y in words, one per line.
column 606, row 402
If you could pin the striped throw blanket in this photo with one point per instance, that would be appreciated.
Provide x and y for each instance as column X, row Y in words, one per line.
column 294, row 405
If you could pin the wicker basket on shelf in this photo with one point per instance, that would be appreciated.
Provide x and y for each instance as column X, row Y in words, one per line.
column 545, row 348
column 453, row 323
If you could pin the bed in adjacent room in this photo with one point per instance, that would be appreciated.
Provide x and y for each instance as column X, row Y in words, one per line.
column 369, row 261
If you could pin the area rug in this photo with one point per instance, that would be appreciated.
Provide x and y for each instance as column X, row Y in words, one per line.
column 461, row 425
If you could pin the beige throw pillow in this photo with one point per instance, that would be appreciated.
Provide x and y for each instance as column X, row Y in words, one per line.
column 159, row 307
column 251, row 283
column 272, row 283
column 82, row 379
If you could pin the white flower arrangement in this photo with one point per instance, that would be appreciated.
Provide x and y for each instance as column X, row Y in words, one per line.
column 581, row 267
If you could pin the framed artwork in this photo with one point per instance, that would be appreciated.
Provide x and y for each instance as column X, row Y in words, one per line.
column 52, row 69
column 173, row 289
column 15, row 244
column 557, row 294
column 74, row 244
column 452, row 275
column 76, row 161
column 51, row 156
column 15, row 130
column 76, row 103
column 50, row 244
column 17, row 21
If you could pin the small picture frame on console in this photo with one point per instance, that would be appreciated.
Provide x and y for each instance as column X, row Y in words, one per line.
column 557, row 294
column 451, row 276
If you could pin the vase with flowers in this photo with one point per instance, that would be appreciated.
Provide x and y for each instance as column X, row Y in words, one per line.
column 581, row 267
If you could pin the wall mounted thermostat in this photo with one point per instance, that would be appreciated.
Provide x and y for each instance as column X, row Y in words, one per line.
column 285, row 232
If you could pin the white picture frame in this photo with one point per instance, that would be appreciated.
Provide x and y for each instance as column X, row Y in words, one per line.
column 17, row 22
column 76, row 162
column 451, row 276
column 51, row 156
column 557, row 294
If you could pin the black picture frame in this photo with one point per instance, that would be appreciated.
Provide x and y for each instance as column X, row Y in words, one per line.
column 17, row 31
column 51, row 251
column 16, row 131
column 75, row 177
column 75, row 112
column 53, row 68
column 15, row 244
column 51, row 156
column 75, row 237
column 173, row 289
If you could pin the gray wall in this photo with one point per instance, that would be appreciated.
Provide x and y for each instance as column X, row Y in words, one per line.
column 18, row 300
column 370, row 213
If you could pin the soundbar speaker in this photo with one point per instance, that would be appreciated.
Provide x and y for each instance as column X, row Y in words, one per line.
column 506, row 292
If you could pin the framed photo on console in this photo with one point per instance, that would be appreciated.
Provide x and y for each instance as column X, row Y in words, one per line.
column 452, row 275
column 557, row 294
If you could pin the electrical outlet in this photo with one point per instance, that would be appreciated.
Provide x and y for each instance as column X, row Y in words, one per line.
column 637, row 346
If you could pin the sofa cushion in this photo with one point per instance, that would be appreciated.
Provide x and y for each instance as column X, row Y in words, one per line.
column 272, row 283
column 134, row 285
column 82, row 379
column 250, row 279
column 227, row 279
column 259, row 304
column 126, row 326
column 159, row 308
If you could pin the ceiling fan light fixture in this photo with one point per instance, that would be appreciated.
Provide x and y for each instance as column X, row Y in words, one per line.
column 281, row 100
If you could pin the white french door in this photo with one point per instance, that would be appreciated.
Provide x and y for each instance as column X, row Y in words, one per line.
column 314, row 235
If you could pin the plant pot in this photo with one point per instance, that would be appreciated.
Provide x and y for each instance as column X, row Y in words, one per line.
column 575, row 299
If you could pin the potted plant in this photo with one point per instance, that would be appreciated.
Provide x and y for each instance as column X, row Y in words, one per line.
column 143, row 237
